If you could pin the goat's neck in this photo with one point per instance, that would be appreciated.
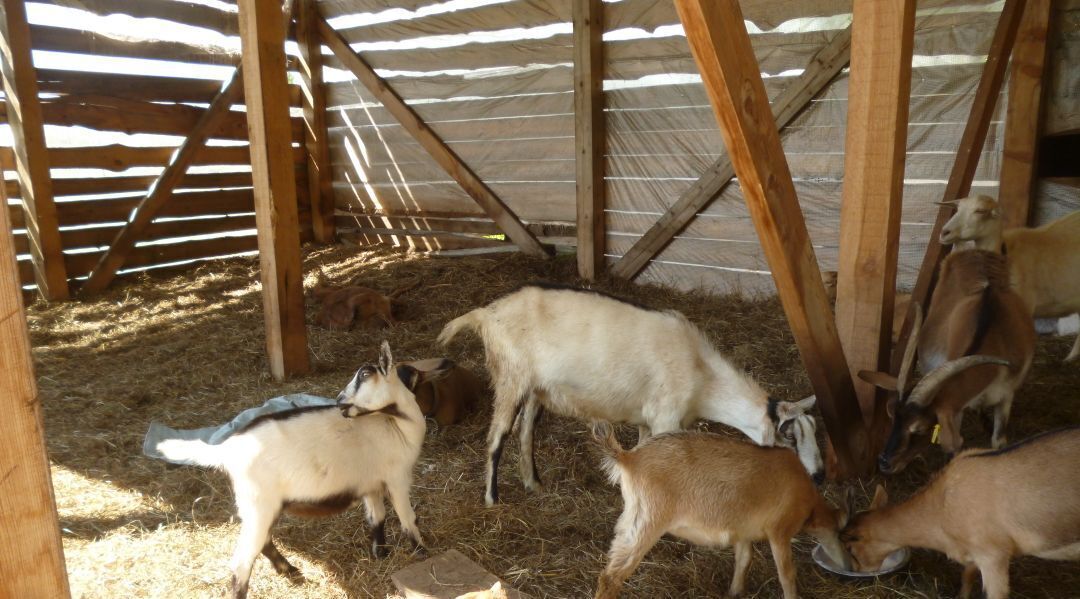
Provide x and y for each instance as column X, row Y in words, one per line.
column 913, row 523
column 991, row 242
column 737, row 400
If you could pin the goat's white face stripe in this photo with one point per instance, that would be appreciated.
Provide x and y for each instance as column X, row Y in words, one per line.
column 806, row 444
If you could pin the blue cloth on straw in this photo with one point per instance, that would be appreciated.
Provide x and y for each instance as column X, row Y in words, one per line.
column 216, row 434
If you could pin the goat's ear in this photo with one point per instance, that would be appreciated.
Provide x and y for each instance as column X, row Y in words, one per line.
column 847, row 508
column 386, row 359
column 881, row 380
column 436, row 371
column 787, row 410
column 410, row 376
column 881, row 498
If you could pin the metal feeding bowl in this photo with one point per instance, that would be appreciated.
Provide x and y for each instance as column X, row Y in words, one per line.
column 896, row 560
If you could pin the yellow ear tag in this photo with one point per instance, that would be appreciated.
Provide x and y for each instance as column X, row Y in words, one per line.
column 934, row 435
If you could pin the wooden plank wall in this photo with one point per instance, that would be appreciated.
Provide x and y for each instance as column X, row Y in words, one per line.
column 135, row 123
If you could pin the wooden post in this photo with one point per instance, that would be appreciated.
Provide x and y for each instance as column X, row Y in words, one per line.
column 879, row 90
column 31, row 554
column 262, row 39
column 589, row 135
column 320, row 177
column 162, row 188
column 967, row 159
column 439, row 151
column 821, row 69
column 722, row 50
column 31, row 155
column 1023, row 120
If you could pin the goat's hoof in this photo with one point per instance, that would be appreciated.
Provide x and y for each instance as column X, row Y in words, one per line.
column 294, row 575
column 534, row 485
column 379, row 551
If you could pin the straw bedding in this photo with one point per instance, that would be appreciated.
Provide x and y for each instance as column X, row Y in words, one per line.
column 188, row 350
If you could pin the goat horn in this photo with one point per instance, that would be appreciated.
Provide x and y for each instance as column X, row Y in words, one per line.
column 932, row 382
column 947, row 203
column 909, row 351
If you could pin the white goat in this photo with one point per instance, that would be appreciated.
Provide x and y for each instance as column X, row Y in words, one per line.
column 591, row 356
column 320, row 460
column 712, row 490
column 1044, row 263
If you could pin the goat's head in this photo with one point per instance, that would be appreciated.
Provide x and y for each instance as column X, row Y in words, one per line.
column 795, row 428
column 867, row 553
column 913, row 416
column 383, row 388
column 975, row 218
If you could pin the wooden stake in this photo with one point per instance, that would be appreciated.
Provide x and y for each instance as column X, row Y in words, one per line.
column 262, row 39
column 320, row 177
column 589, row 135
column 31, row 554
column 877, row 122
column 821, row 69
column 439, row 151
column 1023, row 120
column 31, row 156
column 722, row 50
column 967, row 159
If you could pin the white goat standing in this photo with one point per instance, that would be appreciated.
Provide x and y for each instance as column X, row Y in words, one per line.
column 1044, row 263
column 591, row 356
column 321, row 460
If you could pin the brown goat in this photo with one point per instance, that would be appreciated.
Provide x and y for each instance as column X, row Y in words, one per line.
column 342, row 306
column 450, row 398
column 712, row 490
column 976, row 347
column 985, row 507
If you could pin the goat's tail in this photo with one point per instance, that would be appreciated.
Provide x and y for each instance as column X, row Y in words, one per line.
column 611, row 451
column 194, row 452
column 471, row 320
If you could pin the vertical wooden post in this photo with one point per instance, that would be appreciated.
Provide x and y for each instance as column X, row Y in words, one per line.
column 31, row 156
column 262, row 37
column 722, row 50
column 589, row 135
column 320, row 178
column 1023, row 120
column 967, row 159
column 879, row 90
column 31, row 554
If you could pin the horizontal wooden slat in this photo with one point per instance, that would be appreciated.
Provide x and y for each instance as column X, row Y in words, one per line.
column 188, row 13
column 102, row 236
column 103, row 185
column 120, row 157
column 137, row 87
column 62, row 39
column 182, row 204
column 79, row 265
column 492, row 17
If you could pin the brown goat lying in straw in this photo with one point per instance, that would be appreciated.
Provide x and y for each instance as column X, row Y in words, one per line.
column 450, row 398
column 342, row 306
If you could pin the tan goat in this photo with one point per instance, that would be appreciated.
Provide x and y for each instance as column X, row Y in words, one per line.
column 1044, row 263
column 985, row 507
column 976, row 348
column 712, row 490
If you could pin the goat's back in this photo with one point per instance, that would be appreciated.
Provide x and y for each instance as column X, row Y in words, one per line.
column 1045, row 265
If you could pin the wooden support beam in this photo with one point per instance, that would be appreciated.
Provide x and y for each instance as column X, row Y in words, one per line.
column 31, row 554
column 589, row 135
column 967, row 159
column 879, row 87
column 439, row 151
column 1023, row 120
column 162, row 188
column 31, row 156
column 821, row 69
column 262, row 39
column 722, row 50
column 320, row 177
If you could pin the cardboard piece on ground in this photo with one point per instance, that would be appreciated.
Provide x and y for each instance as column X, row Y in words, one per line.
column 446, row 576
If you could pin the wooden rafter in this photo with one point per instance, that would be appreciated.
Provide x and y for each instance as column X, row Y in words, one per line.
column 722, row 50
column 320, row 177
column 821, row 69
column 967, row 159
column 24, row 113
column 1023, row 118
column 879, row 88
column 589, row 135
column 162, row 188
column 31, row 554
column 262, row 38
column 439, row 151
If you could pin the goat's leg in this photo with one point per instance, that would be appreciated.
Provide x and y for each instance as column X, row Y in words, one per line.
column 1075, row 352
column 255, row 523
column 967, row 580
column 743, row 551
column 527, row 421
column 643, row 434
column 1001, row 420
column 398, row 489
column 634, row 537
column 785, row 566
column 281, row 565
column 508, row 400
column 995, row 575
column 375, row 508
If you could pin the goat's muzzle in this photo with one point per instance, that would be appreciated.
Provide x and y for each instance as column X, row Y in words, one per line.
column 819, row 477
column 885, row 465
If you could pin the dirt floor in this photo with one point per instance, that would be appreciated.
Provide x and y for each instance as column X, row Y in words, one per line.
column 188, row 350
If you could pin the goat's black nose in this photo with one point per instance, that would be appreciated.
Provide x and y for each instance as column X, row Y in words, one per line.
column 884, row 465
column 819, row 477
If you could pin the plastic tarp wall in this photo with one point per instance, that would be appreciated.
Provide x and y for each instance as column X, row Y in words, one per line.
column 494, row 79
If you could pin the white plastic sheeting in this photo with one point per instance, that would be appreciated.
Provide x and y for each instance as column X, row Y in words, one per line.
column 494, row 79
